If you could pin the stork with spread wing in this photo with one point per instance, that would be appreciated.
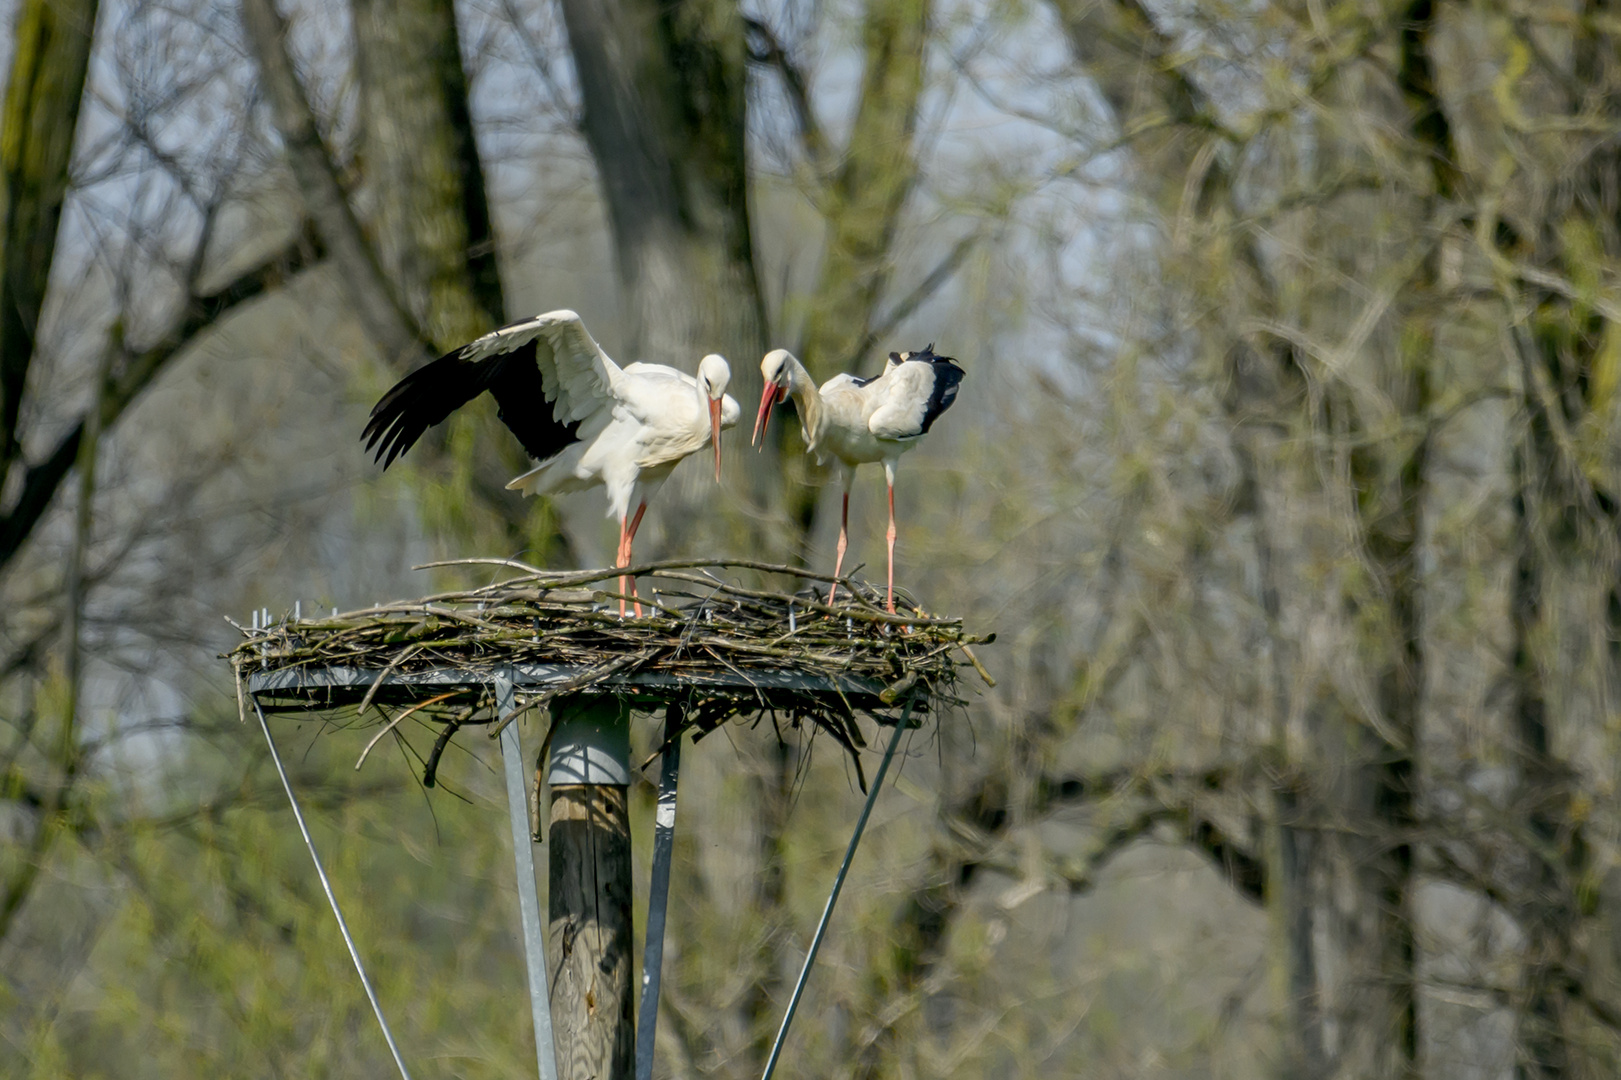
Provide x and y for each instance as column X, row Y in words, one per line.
column 584, row 418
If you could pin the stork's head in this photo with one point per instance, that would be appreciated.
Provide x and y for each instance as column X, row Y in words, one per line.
column 778, row 369
column 713, row 375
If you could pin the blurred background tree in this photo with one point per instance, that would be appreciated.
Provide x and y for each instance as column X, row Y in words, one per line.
column 1285, row 469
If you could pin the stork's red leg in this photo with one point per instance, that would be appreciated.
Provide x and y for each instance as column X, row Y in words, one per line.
column 630, row 538
column 622, row 558
column 891, row 539
column 844, row 540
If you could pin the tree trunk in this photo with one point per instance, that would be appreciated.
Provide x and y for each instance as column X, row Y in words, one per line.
column 1561, row 507
column 1292, row 900
column 1385, row 792
column 52, row 41
column 664, row 93
column 376, row 304
column 431, row 218
column 69, row 757
column 1260, row 389
column 424, row 281
column 431, row 228
column 1546, row 908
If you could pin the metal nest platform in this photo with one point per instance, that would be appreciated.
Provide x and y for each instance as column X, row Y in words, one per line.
column 706, row 649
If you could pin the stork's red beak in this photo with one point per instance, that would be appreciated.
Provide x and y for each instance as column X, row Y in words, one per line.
column 773, row 394
column 714, row 432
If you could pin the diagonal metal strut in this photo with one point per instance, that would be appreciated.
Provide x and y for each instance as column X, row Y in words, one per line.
column 838, row 884
column 320, row 872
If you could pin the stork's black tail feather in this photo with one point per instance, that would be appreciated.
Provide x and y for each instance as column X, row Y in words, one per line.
column 946, row 377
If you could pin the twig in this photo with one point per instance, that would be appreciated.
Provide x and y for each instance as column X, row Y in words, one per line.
column 979, row 667
column 431, row 770
column 394, row 723
column 892, row 693
column 241, row 696
column 381, row 675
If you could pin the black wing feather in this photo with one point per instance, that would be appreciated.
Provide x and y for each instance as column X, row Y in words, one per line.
column 430, row 394
column 420, row 400
column 522, row 406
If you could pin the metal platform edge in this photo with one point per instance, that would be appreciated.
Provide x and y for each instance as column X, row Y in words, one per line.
column 530, row 676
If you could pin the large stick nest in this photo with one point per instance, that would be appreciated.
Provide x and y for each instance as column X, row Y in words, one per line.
column 707, row 644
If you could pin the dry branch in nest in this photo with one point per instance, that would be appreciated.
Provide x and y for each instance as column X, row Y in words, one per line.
column 724, row 650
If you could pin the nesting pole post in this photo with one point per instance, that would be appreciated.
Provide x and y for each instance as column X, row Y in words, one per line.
column 590, row 944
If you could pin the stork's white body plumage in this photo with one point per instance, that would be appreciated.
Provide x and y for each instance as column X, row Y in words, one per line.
column 851, row 421
column 588, row 421
column 655, row 417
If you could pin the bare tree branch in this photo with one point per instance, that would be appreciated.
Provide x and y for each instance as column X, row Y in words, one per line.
column 384, row 316
column 768, row 50
column 932, row 282
column 138, row 371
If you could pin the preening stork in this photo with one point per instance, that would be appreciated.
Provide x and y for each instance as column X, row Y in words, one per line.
column 855, row 421
column 584, row 418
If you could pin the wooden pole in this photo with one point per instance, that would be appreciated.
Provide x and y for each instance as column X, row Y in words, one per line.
column 590, row 944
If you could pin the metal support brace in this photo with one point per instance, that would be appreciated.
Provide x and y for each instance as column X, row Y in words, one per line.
column 838, row 884
column 331, row 897
column 658, row 893
column 534, row 937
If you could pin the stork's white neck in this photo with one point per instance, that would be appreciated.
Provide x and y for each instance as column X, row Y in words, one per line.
column 808, row 400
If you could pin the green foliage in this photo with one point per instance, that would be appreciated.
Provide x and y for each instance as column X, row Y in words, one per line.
column 212, row 951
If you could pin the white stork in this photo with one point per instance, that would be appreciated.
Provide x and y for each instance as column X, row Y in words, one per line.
column 584, row 418
column 855, row 421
